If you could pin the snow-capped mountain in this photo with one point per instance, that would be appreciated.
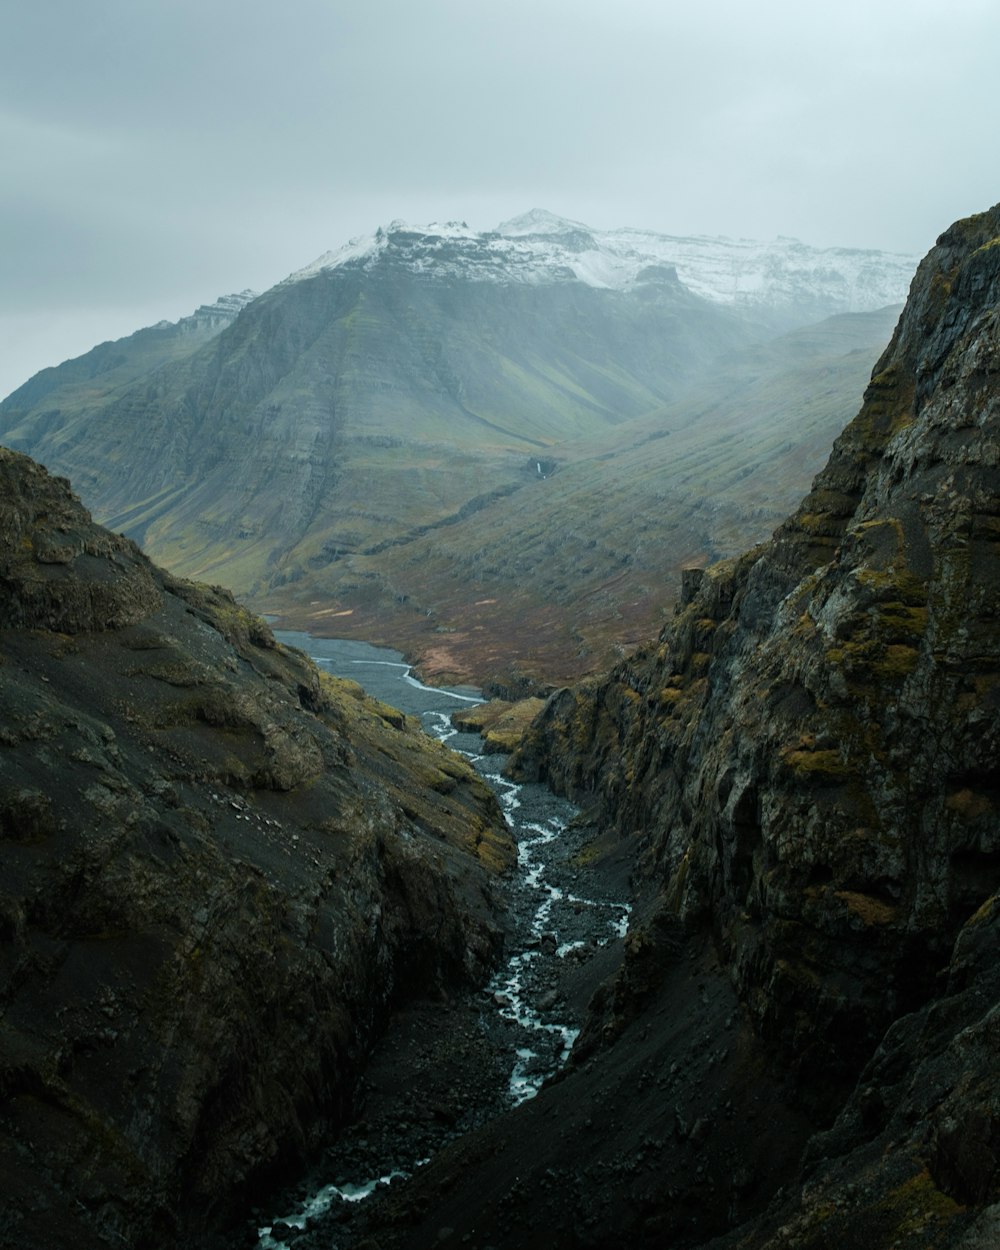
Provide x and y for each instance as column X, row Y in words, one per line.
column 784, row 275
column 362, row 442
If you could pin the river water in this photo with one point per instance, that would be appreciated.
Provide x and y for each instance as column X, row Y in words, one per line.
column 556, row 921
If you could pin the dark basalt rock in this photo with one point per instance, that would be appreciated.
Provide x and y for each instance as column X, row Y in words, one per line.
column 806, row 763
column 811, row 746
column 219, row 872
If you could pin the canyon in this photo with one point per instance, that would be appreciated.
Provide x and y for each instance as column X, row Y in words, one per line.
column 227, row 874
column 797, row 1050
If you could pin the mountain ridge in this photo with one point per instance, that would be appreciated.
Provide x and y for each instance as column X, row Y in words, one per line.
column 206, row 321
column 361, row 406
column 538, row 246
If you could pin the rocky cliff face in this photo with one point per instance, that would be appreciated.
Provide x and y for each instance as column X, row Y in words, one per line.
column 220, row 871
column 810, row 747
column 808, row 760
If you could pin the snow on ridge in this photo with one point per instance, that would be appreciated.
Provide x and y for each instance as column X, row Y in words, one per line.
column 540, row 247
column 539, row 221
column 368, row 247
column 227, row 305
column 741, row 271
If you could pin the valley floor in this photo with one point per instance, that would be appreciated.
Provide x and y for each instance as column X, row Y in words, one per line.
column 449, row 1069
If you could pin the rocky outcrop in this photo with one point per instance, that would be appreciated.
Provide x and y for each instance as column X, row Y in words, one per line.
column 808, row 759
column 912, row 1159
column 220, row 871
column 501, row 724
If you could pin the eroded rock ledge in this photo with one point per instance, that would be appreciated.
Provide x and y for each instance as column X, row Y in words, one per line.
column 220, row 871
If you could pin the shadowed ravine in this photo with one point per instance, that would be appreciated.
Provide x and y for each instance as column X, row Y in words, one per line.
column 565, row 917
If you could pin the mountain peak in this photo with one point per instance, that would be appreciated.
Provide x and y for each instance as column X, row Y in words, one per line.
column 539, row 247
column 539, row 221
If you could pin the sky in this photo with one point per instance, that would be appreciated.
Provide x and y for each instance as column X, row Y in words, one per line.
column 155, row 154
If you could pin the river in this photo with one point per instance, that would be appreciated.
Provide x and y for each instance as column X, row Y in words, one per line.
column 558, row 924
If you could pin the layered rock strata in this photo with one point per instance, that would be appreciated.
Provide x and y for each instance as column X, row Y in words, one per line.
column 219, row 872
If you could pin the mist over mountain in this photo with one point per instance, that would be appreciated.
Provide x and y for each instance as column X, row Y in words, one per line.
column 417, row 378
column 551, row 580
column 225, row 873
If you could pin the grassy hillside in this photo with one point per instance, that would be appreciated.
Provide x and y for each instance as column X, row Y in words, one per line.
column 354, row 409
column 555, row 577
column 501, row 476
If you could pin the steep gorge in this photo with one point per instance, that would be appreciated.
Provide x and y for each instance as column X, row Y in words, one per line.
column 805, row 764
column 211, row 855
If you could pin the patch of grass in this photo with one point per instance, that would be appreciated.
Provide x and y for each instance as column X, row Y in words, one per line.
column 917, row 1203
column 824, row 767
column 586, row 855
column 871, row 911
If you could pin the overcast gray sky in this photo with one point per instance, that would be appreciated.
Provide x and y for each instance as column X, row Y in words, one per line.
column 158, row 153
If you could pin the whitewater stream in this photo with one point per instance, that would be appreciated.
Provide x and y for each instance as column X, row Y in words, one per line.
column 554, row 920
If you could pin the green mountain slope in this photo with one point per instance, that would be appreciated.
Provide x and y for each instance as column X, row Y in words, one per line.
column 550, row 578
column 346, row 408
column 441, row 435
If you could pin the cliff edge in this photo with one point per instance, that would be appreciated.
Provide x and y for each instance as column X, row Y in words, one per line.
column 220, row 871
column 809, row 753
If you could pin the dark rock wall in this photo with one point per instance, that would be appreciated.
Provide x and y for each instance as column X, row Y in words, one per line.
column 219, row 871
column 808, row 755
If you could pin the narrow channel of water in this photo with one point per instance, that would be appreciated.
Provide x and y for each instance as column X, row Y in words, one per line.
column 552, row 919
